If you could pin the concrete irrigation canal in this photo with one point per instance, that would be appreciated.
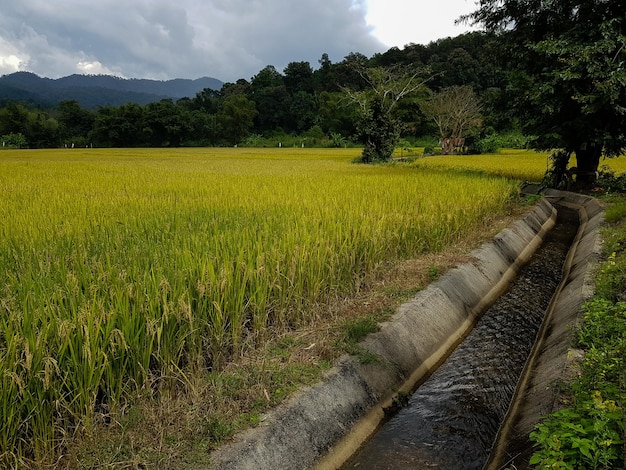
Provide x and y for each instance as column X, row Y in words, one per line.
column 465, row 368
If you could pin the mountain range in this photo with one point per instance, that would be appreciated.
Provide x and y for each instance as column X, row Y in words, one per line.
column 92, row 91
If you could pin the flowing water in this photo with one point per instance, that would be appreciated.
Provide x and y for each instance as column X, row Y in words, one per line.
column 452, row 419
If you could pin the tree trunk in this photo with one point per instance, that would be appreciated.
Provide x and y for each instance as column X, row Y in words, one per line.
column 587, row 161
column 446, row 146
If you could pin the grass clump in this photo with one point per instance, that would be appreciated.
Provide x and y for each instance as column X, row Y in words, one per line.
column 355, row 330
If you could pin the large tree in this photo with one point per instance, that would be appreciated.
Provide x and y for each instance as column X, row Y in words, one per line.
column 569, row 74
column 455, row 111
column 74, row 122
column 237, row 115
column 269, row 93
column 298, row 77
column 122, row 126
column 379, row 128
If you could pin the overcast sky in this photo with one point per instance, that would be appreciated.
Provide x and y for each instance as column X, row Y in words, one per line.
column 225, row 39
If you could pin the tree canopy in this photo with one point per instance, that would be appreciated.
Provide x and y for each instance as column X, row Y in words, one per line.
column 378, row 127
column 297, row 104
column 455, row 110
column 567, row 68
column 554, row 69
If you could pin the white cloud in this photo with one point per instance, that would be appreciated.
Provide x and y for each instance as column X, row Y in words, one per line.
column 11, row 60
column 226, row 39
column 94, row 68
column 400, row 22
column 10, row 63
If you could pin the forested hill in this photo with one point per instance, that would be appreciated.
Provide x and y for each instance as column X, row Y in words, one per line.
column 92, row 91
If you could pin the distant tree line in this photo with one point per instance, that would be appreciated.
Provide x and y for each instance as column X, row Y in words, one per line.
column 300, row 103
column 551, row 72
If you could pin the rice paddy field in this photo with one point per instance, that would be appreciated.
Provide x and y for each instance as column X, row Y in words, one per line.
column 523, row 165
column 119, row 266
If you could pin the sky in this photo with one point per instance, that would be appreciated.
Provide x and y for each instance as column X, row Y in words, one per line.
column 224, row 39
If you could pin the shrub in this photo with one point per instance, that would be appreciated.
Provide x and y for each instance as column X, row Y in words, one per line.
column 609, row 182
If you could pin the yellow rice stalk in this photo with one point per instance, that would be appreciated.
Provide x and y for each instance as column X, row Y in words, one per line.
column 122, row 266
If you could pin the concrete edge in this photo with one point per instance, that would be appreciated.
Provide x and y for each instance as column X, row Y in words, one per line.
column 323, row 424
column 552, row 356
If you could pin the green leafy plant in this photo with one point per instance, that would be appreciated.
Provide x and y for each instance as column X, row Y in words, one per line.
column 590, row 432
column 609, row 181
column 337, row 140
column 429, row 150
column 14, row 140
column 588, row 436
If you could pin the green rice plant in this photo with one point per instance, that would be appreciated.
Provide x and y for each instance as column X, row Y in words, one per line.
column 125, row 272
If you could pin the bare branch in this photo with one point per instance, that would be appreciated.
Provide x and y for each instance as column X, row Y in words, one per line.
column 455, row 111
column 391, row 84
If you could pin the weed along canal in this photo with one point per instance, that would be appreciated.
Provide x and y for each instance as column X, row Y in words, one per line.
column 453, row 417
column 464, row 369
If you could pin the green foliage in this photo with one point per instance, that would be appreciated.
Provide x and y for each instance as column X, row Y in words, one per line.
column 611, row 283
column 433, row 272
column 611, row 277
column 487, row 144
column 492, row 142
column 75, row 123
column 291, row 102
column 379, row 127
column 616, row 212
column 313, row 138
column 315, row 133
column 427, row 141
column 587, row 437
column 379, row 133
column 556, row 176
column 601, row 335
column 589, row 433
column 252, row 140
column 337, row 140
column 429, row 150
column 22, row 127
column 17, row 140
column 567, row 77
column 609, row 182
column 356, row 330
column 237, row 115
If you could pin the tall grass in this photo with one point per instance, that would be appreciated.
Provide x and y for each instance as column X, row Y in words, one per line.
column 124, row 271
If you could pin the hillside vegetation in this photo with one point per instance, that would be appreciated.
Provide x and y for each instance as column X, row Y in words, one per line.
column 91, row 91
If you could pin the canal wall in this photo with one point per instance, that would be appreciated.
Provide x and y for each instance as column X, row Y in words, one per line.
column 324, row 424
column 553, row 360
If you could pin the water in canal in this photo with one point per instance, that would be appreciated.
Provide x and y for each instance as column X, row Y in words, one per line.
column 452, row 419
